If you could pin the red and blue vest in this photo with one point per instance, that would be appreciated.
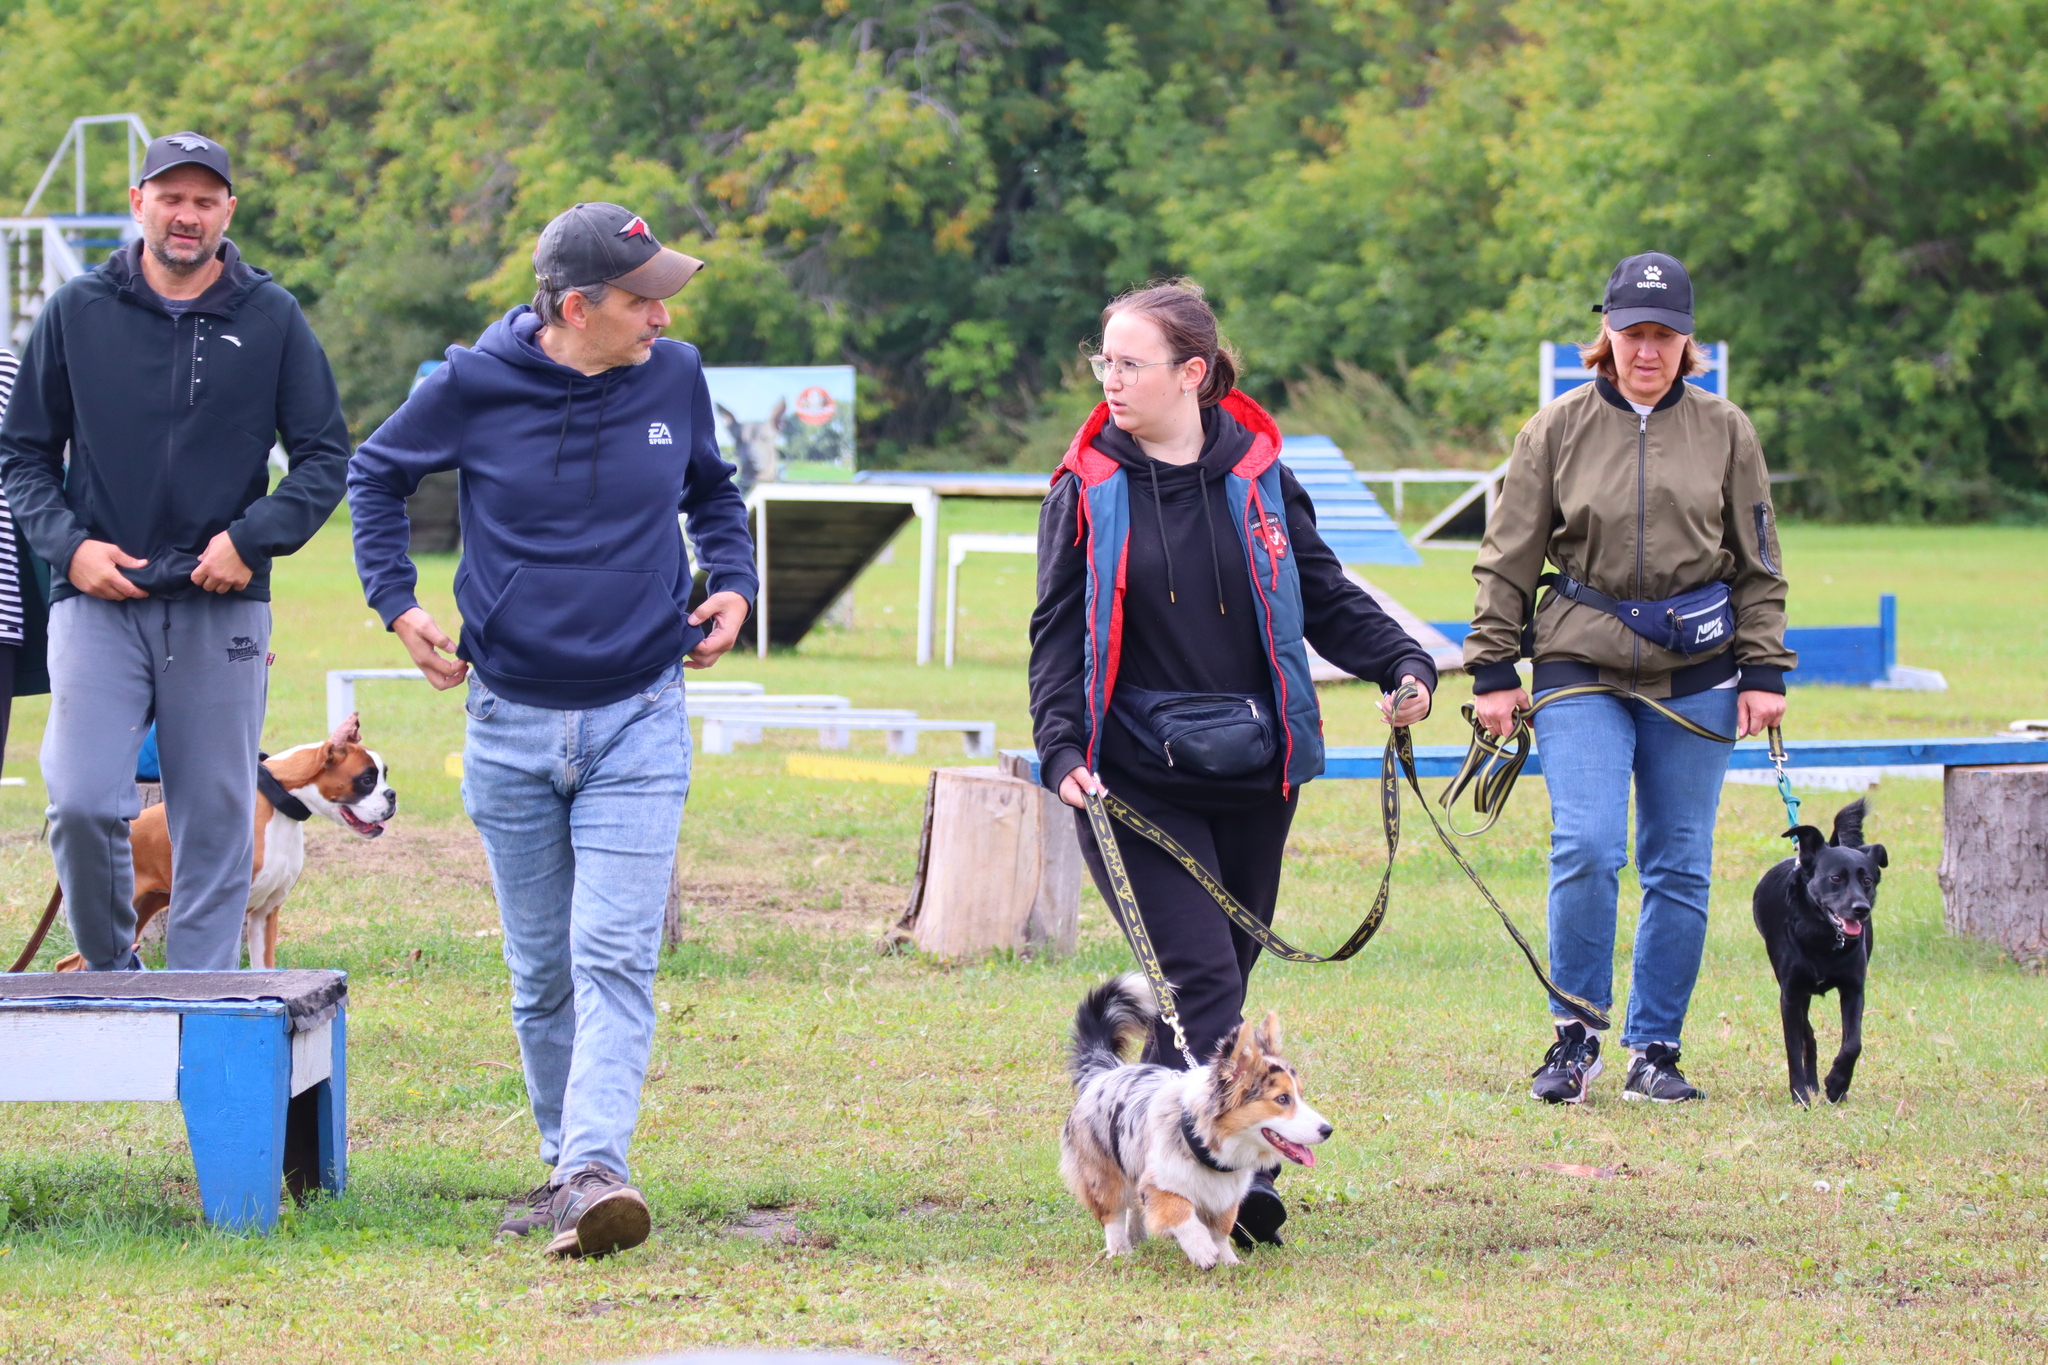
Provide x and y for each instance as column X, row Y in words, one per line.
column 1259, row 513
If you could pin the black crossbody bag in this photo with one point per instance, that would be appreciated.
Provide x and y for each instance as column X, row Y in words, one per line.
column 1222, row 735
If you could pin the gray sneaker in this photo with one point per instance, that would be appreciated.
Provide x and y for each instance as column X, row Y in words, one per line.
column 1654, row 1076
column 529, row 1212
column 596, row 1212
column 1570, row 1066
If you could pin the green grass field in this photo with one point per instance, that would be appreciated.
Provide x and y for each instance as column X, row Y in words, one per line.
column 855, row 1151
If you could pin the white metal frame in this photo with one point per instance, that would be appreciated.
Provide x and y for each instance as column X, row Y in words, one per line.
column 62, row 235
column 924, row 505
column 1400, row 477
column 958, row 547
column 341, row 689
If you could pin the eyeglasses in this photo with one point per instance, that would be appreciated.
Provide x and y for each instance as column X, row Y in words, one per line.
column 1126, row 370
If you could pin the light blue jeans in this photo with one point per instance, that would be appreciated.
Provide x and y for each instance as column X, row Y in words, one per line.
column 1591, row 746
column 579, row 812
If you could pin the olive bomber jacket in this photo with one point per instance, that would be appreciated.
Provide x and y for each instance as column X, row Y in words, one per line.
column 1640, row 508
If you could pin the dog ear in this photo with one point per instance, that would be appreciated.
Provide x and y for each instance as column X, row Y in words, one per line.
column 1268, row 1037
column 1876, row 854
column 348, row 732
column 1811, row 842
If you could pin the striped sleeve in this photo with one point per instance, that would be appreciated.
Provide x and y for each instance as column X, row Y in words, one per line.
column 10, row 569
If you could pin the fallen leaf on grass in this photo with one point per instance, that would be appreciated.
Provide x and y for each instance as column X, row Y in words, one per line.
column 1580, row 1172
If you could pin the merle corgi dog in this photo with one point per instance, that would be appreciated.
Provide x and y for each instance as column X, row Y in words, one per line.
column 1152, row 1151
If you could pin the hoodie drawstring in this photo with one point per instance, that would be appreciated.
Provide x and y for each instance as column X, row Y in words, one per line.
column 604, row 396
column 1215, row 555
column 167, row 635
column 1159, row 511
column 568, row 404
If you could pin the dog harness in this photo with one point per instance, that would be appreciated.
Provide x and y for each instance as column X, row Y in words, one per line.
column 282, row 801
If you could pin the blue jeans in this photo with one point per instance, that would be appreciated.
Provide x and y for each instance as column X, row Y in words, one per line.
column 579, row 812
column 1591, row 746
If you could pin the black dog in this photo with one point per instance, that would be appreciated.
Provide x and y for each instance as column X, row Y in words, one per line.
column 1814, row 914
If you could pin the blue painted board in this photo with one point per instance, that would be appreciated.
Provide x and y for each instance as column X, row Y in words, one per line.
column 234, row 1082
column 1841, row 656
column 1442, row 760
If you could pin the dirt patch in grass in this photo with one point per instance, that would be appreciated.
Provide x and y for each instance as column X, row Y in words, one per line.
column 776, row 1227
column 418, row 853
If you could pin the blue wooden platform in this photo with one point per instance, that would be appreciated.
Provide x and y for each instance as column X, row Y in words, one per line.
column 1350, row 518
column 1442, row 760
column 257, row 1060
column 1837, row 656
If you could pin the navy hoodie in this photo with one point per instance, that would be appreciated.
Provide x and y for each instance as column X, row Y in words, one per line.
column 170, row 423
column 574, row 586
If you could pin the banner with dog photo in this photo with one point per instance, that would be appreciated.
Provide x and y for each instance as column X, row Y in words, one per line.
column 784, row 422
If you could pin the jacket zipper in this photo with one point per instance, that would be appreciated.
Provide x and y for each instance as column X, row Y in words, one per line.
column 1642, row 515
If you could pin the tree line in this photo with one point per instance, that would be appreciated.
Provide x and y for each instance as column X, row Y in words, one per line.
column 1390, row 200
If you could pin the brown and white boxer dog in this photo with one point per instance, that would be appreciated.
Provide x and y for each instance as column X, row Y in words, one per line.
column 337, row 778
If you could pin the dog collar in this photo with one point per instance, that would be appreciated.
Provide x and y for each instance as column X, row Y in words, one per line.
column 1199, row 1147
column 282, row 801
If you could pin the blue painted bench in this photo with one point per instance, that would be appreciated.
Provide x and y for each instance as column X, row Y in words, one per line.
column 1839, row 656
column 257, row 1060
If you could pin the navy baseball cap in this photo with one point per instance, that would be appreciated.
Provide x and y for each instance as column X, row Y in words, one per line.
column 1651, row 287
column 185, row 149
column 605, row 244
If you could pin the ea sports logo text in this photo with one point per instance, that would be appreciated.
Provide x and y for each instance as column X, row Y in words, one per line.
column 658, row 434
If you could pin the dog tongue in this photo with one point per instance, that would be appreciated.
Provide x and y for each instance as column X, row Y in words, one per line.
column 1853, row 928
column 1293, row 1151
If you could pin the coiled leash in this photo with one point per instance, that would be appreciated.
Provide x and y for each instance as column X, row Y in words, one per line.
column 1397, row 762
column 1778, row 757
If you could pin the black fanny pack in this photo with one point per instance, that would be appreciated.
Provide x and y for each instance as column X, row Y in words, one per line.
column 1207, row 734
column 1695, row 622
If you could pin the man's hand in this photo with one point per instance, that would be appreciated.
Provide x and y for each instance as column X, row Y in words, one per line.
column 221, row 568
column 1414, row 710
column 425, row 642
column 1496, row 710
column 727, row 611
column 1756, row 712
column 1077, row 786
column 96, row 570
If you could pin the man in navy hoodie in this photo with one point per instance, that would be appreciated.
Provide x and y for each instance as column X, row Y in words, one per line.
column 580, row 434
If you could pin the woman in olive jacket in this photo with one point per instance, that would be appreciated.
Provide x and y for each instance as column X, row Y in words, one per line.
column 1638, row 488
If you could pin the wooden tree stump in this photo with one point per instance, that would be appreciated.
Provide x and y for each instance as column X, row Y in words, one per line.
column 1994, row 857
column 999, row 870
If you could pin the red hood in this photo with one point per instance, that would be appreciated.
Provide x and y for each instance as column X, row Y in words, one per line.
column 1091, row 466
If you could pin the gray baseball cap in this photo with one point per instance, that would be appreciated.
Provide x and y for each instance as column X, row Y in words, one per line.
column 185, row 149
column 607, row 244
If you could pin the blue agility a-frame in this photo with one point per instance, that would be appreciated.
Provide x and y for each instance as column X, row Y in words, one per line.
column 1559, row 370
column 1352, row 522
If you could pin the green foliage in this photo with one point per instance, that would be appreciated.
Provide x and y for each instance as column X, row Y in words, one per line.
column 944, row 194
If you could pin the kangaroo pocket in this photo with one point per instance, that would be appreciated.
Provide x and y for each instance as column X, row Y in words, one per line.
column 559, row 624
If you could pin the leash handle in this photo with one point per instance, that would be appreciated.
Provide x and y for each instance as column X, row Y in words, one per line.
column 1778, row 760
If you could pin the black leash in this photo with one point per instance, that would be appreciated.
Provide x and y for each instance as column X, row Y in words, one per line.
column 1397, row 762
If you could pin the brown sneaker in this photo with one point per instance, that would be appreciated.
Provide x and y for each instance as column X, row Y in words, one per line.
column 596, row 1213
column 529, row 1212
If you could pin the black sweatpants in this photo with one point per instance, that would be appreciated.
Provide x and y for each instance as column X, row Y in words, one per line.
column 1206, row 958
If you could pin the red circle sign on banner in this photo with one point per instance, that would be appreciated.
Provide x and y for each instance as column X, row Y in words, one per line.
column 814, row 407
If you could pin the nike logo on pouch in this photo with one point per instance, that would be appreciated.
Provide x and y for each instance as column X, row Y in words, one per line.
column 1709, row 630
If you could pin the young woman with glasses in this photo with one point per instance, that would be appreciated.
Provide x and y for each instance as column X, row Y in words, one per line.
column 1180, row 579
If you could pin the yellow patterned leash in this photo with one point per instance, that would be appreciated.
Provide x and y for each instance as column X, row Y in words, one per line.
column 1397, row 762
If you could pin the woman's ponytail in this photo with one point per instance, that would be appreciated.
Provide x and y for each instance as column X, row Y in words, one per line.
column 1189, row 325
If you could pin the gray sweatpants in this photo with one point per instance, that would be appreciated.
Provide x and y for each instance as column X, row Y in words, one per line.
column 197, row 667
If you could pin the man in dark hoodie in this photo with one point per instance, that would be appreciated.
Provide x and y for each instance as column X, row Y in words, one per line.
column 580, row 434
column 168, row 372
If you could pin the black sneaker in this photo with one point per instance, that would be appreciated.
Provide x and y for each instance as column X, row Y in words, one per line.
column 1654, row 1076
column 596, row 1213
column 529, row 1212
column 1569, row 1067
column 1260, row 1215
